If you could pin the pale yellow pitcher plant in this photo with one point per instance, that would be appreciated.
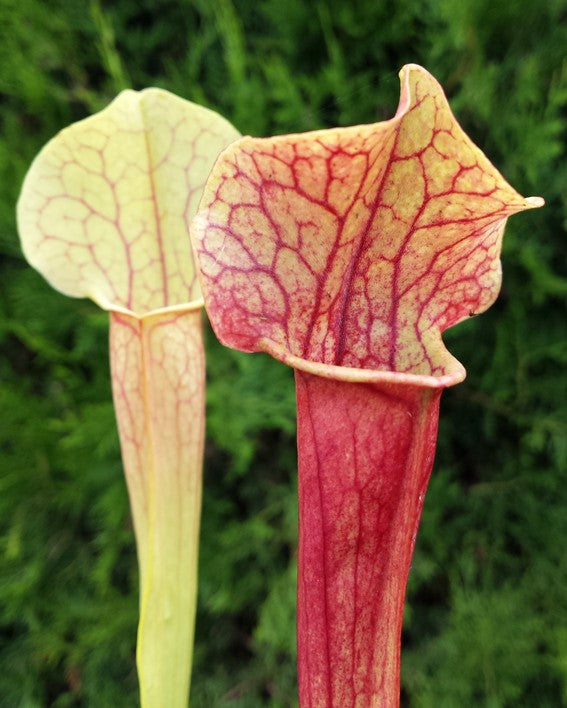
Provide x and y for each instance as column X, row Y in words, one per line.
column 104, row 213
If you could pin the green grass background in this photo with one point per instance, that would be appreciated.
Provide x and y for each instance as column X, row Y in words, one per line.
column 486, row 620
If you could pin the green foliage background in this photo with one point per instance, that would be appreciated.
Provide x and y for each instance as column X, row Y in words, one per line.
column 486, row 622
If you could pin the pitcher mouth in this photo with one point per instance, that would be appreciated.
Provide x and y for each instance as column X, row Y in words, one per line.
column 456, row 371
column 190, row 306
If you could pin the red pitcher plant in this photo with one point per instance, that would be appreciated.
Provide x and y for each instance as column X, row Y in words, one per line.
column 345, row 253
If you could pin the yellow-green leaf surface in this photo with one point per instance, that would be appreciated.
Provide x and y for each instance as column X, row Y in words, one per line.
column 166, row 348
column 104, row 213
column 105, row 207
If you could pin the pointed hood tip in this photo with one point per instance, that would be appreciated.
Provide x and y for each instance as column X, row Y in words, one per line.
column 410, row 75
column 534, row 202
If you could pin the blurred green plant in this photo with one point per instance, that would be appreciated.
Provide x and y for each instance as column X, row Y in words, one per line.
column 486, row 621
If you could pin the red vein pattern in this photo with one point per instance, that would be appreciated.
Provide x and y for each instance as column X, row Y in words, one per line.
column 357, row 246
column 345, row 253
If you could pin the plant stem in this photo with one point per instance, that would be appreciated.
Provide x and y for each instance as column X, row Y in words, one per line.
column 365, row 457
column 158, row 376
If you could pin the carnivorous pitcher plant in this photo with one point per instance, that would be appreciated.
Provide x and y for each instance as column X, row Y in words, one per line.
column 104, row 213
column 345, row 253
